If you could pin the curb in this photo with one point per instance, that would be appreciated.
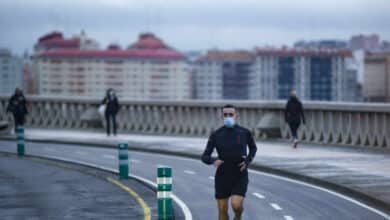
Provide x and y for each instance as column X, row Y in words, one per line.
column 140, row 180
column 355, row 194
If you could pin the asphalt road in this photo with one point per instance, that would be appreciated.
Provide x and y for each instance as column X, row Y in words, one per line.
column 33, row 189
column 268, row 197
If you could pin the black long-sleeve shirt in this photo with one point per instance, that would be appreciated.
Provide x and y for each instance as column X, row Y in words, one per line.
column 294, row 111
column 231, row 145
column 112, row 104
column 17, row 105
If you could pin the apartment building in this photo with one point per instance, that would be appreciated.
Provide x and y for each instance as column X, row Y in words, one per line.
column 146, row 70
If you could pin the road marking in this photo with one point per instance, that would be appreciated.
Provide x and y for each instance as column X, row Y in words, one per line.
column 81, row 152
column 145, row 207
column 287, row 217
column 179, row 202
column 258, row 195
column 386, row 216
column 135, row 161
column 189, row 172
column 275, row 206
column 109, row 156
column 48, row 149
column 211, row 177
column 183, row 206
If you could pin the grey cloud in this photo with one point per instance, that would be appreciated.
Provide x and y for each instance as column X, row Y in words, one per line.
column 25, row 23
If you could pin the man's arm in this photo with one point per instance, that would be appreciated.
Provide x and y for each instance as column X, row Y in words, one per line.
column 104, row 101
column 252, row 148
column 286, row 112
column 206, row 156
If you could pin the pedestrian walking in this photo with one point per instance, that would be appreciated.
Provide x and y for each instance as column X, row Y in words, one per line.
column 17, row 106
column 294, row 115
column 111, row 109
column 231, row 142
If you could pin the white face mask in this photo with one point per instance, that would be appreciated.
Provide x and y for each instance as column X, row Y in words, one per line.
column 229, row 122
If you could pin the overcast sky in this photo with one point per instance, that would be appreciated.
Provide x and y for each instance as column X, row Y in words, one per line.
column 193, row 24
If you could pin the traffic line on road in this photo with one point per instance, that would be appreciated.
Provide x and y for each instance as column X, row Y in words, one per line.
column 81, row 152
column 275, row 206
column 109, row 156
column 186, row 211
column 376, row 211
column 145, row 207
column 135, row 161
column 211, row 177
column 189, row 172
column 258, row 195
column 287, row 217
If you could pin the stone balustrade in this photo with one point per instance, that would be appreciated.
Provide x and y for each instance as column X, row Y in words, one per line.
column 358, row 124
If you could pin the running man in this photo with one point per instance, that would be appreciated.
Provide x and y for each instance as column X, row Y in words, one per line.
column 231, row 177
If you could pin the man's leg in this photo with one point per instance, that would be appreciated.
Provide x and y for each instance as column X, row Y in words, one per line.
column 293, row 130
column 114, row 122
column 237, row 205
column 223, row 209
column 107, row 124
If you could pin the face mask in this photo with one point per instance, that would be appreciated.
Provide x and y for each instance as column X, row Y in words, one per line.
column 228, row 122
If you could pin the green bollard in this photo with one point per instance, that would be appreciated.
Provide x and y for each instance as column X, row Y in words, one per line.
column 164, row 191
column 20, row 140
column 123, row 157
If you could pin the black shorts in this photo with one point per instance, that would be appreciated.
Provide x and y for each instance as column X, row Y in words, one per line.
column 230, row 182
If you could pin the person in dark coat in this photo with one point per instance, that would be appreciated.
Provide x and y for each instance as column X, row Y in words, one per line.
column 17, row 106
column 294, row 115
column 112, row 108
column 231, row 142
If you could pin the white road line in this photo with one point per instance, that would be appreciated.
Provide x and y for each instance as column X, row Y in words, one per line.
column 211, row 177
column 258, row 195
column 181, row 204
column 324, row 190
column 81, row 152
column 135, row 161
column 275, row 206
column 287, row 217
column 189, row 172
column 109, row 156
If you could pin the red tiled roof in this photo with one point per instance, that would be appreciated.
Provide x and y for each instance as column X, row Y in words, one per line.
column 130, row 53
column 53, row 35
column 113, row 47
column 74, row 42
column 148, row 41
column 303, row 51
column 241, row 55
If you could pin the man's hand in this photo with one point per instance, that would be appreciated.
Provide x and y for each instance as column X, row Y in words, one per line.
column 242, row 166
column 217, row 163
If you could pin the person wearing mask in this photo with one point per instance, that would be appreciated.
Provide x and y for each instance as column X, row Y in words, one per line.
column 112, row 108
column 231, row 178
column 17, row 106
column 293, row 115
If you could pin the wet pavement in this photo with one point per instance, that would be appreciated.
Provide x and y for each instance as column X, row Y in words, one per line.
column 362, row 173
column 32, row 188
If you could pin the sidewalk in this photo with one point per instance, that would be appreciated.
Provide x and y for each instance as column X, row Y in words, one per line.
column 357, row 172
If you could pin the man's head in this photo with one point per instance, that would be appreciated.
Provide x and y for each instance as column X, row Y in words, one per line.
column 293, row 93
column 229, row 115
column 18, row 91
